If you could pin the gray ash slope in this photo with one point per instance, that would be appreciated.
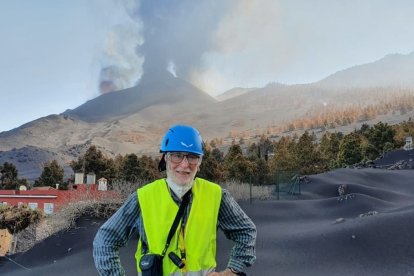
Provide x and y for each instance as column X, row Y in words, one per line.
column 367, row 230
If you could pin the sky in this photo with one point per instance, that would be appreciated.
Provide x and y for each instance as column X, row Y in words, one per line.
column 56, row 55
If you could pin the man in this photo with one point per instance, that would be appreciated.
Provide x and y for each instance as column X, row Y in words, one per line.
column 152, row 209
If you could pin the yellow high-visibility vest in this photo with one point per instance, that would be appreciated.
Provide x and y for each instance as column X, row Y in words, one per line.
column 158, row 211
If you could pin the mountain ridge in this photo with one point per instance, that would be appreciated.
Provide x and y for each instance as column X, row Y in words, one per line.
column 134, row 120
column 118, row 104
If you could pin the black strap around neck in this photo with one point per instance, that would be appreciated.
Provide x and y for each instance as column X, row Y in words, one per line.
column 180, row 213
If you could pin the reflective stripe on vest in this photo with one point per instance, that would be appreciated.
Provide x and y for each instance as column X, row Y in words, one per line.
column 158, row 211
column 188, row 273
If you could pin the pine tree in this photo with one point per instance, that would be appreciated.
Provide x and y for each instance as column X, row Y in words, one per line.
column 308, row 157
column 148, row 168
column 284, row 158
column 131, row 169
column 236, row 166
column 211, row 166
column 350, row 151
column 9, row 176
column 92, row 162
column 52, row 174
column 379, row 135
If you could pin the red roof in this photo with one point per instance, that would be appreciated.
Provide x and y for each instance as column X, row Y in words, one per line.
column 45, row 188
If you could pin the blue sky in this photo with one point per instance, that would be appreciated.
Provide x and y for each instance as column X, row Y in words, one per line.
column 55, row 53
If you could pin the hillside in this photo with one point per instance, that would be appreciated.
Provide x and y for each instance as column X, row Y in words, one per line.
column 133, row 120
column 234, row 92
column 366, row 231
column 391, row 71
column 118, row 104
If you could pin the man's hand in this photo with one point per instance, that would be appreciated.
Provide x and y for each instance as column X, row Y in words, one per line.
column 226, row 272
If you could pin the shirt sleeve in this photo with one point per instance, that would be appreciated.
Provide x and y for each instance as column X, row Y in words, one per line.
column 114, row 234
column 239, row 228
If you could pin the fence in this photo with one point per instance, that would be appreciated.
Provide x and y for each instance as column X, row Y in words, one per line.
column 287, row 184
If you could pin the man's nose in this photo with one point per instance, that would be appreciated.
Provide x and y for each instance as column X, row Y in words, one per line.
column 186, row 161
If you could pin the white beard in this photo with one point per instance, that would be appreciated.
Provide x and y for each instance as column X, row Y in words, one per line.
column 179, row 190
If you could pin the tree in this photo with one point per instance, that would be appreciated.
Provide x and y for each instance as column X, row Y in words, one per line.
column 218, row 155
column 131, row 170
column 92, row 162
column 350, row 151
column 403, row 130
column 305, row 150
column 9, row 175
column 236, row 166
column 211, row 166
column 260, row 169
column 253, row 150
column 134, row 168
column 112, row 168
column 284, row 158
column 369, row 151
column 364, row 129
column 52, row 174
column 265, row 147
column 379, row 135
column 149, row 168
column 329, row 148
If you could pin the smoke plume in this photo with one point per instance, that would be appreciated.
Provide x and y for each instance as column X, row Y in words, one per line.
column 212, row 44
column 166, row 37
column 217, row 45
column 121, row 66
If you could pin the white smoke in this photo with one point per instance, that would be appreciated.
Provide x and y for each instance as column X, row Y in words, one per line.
column 249, row 38
column 199, row 41
column 218, row 45
column 121, row 65
column 172, row 68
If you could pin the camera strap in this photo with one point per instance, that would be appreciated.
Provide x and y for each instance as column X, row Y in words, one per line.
column 180, row 213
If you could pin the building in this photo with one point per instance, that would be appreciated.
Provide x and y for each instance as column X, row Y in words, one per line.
column 51, row 199
column 408, row 143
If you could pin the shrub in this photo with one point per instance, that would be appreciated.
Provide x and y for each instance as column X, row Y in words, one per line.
column 241, row 191
column 16, row 219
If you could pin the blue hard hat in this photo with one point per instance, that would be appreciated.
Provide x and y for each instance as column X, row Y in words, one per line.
column 183, row 139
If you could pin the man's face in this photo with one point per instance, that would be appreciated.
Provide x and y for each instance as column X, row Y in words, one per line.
column 182, row 167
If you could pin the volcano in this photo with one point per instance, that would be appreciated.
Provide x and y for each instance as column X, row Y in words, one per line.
column 164, row 89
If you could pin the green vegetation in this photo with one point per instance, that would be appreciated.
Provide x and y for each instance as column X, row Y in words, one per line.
column 242, row 162
column 260, row 163
column 306, row 155
column 15, row 219
column 9, row 177
column 52, row 174
column 130, row 167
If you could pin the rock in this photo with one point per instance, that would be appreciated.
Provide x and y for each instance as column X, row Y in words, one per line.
column 339, row 220
column 368, row 214
column 343, row 189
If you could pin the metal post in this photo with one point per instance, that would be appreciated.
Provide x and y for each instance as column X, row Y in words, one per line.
column 277, row 184
column 277, row 190
column 251, row 195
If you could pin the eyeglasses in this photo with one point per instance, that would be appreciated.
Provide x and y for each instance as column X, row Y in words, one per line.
column 178, row 157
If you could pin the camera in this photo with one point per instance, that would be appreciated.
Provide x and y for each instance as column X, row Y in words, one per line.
column 176, row 260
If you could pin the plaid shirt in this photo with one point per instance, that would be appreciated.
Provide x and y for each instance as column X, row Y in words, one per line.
column 116, row 232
